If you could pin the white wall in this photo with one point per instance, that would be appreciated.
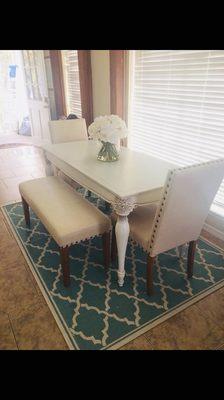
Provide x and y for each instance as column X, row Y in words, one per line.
column 100, row 62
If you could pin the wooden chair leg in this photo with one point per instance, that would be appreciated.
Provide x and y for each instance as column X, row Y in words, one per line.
column 190, row 258
column 64, row 251
column 150, row 262
column 26, row 212
column 106, row 248
column 113, row 246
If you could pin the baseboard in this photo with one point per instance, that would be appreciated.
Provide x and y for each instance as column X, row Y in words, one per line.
column 214, row 231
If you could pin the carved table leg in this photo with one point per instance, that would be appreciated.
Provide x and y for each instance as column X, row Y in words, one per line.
column 122, row 233
column 122, row 207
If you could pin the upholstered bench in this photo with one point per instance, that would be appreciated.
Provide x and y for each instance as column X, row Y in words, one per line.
column 67, row 216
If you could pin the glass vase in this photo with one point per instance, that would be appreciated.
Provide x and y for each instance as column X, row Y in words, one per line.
column 108, row 152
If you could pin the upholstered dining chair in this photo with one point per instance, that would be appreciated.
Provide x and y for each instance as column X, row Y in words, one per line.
column 179, row 216
column 68, row 130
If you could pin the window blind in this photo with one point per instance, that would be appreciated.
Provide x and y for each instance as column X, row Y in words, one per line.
column 71, row 82
column 177, row 106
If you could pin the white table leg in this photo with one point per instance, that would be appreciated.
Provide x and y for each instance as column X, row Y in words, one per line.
column 122, row 233
column 49, row 170
column 122, row 207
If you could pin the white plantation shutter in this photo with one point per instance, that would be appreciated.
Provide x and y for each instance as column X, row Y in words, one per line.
column 71, row 81
column 177, row 106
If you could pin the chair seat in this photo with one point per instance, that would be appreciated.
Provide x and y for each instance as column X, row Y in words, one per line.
column 141, row 223
column 67, row 216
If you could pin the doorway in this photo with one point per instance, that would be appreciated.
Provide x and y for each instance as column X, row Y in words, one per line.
column 13, row 99
column 24, row 100
column 24, row 116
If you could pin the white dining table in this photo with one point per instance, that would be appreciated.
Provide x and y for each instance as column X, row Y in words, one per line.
column 135, row 179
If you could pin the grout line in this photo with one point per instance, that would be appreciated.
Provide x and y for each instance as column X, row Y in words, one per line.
column 13, row 333
column 10, row 322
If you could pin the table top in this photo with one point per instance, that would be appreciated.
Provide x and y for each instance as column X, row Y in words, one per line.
column 132, row 174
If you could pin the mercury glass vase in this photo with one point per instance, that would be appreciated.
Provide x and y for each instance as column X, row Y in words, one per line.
column 108, row 152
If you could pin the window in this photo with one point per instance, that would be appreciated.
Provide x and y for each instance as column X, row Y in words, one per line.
column 71, row 82
column 177, row 106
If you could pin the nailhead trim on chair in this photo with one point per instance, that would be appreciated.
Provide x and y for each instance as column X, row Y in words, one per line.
column 166, row 192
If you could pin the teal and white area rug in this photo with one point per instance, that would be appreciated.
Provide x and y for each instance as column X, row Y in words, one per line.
column 94, row 313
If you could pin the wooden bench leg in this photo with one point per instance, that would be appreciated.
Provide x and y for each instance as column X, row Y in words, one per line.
column 190, row 258
column 113, row 246
column 150, row 262
column 64, row 251
column 106, row 248
column 26, row 212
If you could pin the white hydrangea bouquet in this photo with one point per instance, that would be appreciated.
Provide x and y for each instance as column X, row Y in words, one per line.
column 109, row 129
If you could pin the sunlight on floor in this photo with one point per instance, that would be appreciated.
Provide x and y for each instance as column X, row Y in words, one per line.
column 18, row 164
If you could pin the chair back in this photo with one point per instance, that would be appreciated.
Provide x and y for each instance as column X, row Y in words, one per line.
column 68, row 130
column 187, row 198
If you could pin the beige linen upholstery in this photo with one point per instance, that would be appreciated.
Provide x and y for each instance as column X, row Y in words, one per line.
column 141, row 223
column 179, row 217
column 186, row 200
column 68, row 130
column 67, row 216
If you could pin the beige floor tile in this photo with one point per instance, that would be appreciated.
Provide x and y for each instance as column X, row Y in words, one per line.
column 9, row 162
column 35, row 284
column 3, row 187
column 6, row 172
column 12, row 183
column 37, row 330
column 140, row 343
column 17, row 292
column 7, row 339
column 9, row 197
column 7, row 297
column 15, row 138
column 11, row 254
column 4, row 319
column 5, row 234
column 212, row 307
column 24, row 171
column 185, row 331
column 38, row 174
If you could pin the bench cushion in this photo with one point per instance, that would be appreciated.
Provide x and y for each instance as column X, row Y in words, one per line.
column 68, row 217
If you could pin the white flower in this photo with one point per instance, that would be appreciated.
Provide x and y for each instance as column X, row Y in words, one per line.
column 92, row 129
column 108, row 128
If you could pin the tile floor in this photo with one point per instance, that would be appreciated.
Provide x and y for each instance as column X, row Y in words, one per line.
column 27, row 323
column 16, row 165
column 15, row 138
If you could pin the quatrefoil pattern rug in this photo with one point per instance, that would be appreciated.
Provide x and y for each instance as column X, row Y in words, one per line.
column 94, row 312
